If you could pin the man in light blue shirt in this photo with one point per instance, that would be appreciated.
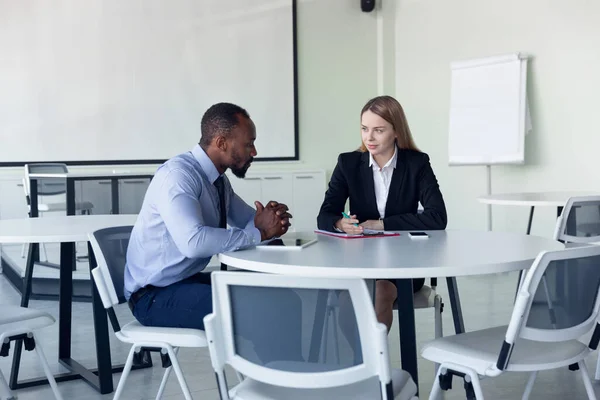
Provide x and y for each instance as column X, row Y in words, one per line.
column 183, row 223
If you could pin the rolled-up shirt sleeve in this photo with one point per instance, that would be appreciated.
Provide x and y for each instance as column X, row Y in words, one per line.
column 184, row 218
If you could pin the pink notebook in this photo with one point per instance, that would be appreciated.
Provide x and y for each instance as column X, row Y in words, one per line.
column 368, row 234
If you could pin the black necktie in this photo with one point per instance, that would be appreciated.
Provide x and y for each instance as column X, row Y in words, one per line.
column 220, row 185
column 223, row 212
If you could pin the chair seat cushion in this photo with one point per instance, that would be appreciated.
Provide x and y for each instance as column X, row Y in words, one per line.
column 423, row 298
column 403, row 386
column 15, row 317
column 135, row 332
column 479, row 350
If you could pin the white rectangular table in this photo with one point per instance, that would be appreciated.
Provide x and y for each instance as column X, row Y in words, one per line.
column 65, row 230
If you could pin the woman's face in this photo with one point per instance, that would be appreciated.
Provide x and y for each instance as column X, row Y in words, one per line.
column 378, row 135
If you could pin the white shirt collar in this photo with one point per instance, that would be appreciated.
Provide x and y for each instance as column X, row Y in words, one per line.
column 391, row 162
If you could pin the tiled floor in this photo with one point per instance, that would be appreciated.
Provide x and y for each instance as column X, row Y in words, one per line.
column 486, row 301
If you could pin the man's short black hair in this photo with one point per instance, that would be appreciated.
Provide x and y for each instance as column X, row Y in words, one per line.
column 219, row 119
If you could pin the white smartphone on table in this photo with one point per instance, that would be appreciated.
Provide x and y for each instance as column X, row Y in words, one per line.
column 418, row 235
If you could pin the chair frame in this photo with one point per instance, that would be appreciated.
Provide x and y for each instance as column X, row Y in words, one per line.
column 373, row 335
column 28, row 336
column 517, row 329
column 27, row 191
column 28, row 172
column 559, row 234
column 108, row 294
column 438, row 308
column 561, row 223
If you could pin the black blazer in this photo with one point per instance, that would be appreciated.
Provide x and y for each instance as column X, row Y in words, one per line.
column 413, row 180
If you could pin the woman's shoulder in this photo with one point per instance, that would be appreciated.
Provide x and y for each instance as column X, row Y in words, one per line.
column 350, row 158
column 413, row 156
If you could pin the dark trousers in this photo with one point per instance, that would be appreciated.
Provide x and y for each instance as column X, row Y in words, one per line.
column 183, row 304
column 418, row 283
column 269, row 323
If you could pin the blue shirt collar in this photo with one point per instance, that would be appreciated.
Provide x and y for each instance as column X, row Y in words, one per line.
column 205, row 163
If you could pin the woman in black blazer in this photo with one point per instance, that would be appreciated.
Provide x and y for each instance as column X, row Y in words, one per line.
column 384, row 179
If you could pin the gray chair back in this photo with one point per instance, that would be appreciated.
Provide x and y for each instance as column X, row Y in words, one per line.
column 580, row 220
column 566, row 294
column 113, row 243
column 282, row 335
column 48, row 186
column 558, row 300
column 287, row 331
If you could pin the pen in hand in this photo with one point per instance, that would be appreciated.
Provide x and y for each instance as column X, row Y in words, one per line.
column 347, row 216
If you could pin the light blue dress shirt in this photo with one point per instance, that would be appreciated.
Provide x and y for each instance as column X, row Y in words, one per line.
column 177, row 231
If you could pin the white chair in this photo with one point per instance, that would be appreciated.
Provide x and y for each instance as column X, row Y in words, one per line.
column 579, row 223
column 272, row 347
column 50, row 187
column 537, row 338
column 110, row 246
column 19, row 323
column 425, row 298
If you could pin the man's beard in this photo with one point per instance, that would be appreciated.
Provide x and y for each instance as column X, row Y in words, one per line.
column 241, row 171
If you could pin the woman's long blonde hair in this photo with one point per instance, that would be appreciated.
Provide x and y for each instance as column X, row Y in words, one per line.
column 390, row 110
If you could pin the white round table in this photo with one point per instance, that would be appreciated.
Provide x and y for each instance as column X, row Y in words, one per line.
column 532, row 200
column 66, row 230
column 444, row 254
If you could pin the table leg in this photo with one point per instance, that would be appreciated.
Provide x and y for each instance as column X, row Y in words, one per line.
column 459, row 324
column 70, row 196
column 71, row 210
column 33, row 198
column 406, row 323
column 65, row 299
column 528, row 232
column 530, row 219
column 114, row 195
column 100, row 332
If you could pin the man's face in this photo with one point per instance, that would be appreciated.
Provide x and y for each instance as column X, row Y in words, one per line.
column 242, row 151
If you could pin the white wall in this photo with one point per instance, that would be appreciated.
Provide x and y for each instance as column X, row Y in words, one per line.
column 336, row 74
column 561, row 152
